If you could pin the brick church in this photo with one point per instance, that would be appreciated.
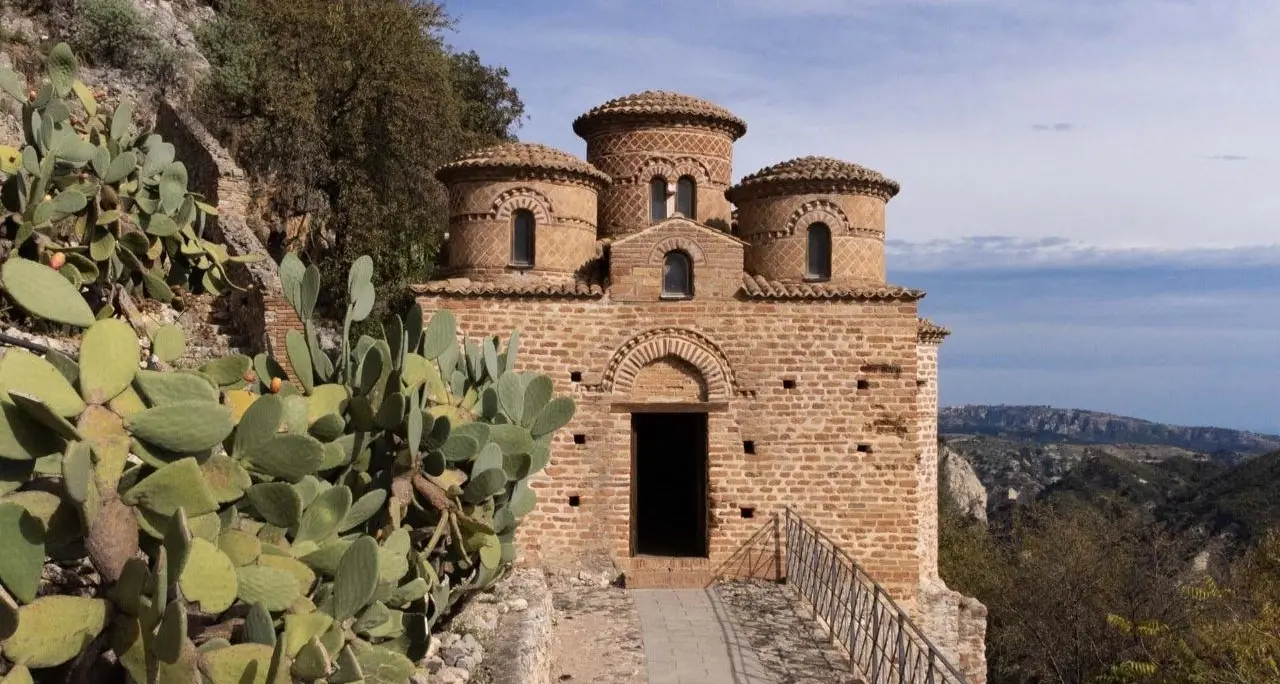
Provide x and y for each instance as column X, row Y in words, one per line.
column 733, row 349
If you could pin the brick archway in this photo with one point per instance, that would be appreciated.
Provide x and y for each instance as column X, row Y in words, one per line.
column 688, row 346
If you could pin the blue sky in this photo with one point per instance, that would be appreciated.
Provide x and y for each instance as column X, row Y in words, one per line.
column 1090, row 187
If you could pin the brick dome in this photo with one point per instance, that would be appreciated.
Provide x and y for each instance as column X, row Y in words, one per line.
column 518, row 157
column 813, row 175
column 661, row 105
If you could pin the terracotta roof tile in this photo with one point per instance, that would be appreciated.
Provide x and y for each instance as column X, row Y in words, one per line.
column 660, row 104
column 515, row 156
column 928, row 331
column 813, row 174
column 759, row 287
column 514, row 287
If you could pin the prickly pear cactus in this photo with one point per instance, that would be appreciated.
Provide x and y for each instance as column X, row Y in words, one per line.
column 245, row 528
column 98, row 201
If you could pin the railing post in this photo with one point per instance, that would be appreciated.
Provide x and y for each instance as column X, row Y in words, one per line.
column 902, row 653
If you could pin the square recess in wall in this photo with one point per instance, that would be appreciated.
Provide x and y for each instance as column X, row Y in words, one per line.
column 788, row 383
column 864, row 448
column 575, row 501
column 864, row 384
column 579, row 439
column 748, row 447
column 575, row 376
column 748, row 511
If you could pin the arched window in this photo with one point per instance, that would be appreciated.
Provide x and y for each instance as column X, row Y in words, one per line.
column 657, row 199
column 522, row 231
column 819, row 252
column 687, row 197
column 677, row 275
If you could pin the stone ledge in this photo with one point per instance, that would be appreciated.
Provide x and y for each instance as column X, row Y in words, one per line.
column 522, row 651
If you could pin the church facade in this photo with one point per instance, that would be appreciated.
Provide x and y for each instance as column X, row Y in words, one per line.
column 734, row 349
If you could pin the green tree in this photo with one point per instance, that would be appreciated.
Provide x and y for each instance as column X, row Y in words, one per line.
column 342, row 111
column 1050, row 580
column 1233, row 636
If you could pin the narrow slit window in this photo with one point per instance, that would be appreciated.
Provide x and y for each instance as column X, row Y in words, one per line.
column 677, row 275
column 658, row 199
column 819, row 252
column 522, row 233
column 687, row 197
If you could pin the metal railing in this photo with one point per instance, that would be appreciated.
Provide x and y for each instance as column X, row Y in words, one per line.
column 883, row 644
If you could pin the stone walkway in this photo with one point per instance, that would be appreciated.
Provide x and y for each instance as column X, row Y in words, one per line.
column 734, row 633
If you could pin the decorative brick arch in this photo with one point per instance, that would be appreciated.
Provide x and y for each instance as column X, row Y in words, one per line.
column 826, row 211
column 508, row 202
column 688, row 346
column 672, row 170
column 677, row 242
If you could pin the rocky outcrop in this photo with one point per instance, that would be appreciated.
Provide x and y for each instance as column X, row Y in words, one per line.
column 1047, row 424
column 959, row 480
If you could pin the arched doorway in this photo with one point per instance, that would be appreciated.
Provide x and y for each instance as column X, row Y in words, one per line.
column 669, row 381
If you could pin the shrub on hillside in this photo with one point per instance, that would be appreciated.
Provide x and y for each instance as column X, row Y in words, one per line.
column 344, row 110
column 114, row 33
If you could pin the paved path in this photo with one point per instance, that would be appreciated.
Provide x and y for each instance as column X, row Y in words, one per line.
column 738, row 633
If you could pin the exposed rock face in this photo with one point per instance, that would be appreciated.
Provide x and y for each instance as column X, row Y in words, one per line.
column 961, row 482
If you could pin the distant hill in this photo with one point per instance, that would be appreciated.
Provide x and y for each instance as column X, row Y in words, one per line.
column 1045, row 424
column 1215, row 480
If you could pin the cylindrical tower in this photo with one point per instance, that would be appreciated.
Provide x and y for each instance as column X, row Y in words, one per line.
column 667, row 153
column 814, row 219
column 520, row 208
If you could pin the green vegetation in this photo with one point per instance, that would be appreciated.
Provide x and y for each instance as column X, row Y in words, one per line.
column 104, row 205
column 343, row 110
column 1096, row 589
column 114, row 33
column 243, row 527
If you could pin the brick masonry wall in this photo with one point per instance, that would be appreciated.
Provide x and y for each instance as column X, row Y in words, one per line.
column 846, row 458
column 633, row 155
column 776, row 228
column 635, row 262
column 927, row 424
column 480, row 226
column 956, row 624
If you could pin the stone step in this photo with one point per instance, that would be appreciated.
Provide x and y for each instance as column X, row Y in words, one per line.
column 666, row 579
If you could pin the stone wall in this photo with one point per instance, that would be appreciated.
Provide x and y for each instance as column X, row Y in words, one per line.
column 957, row 626
column 927, row 425
column 261, row 315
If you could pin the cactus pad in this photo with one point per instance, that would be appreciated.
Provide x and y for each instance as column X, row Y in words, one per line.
column 183, row 427
column 55, row 629
column 177, row 485
column 108, row 360
column 274, row 588
column 44, row 293
column 209, row 578
column 22, row 371
column 22, row 538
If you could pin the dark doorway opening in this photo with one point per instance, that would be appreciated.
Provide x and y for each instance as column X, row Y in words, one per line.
column 669, row 485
